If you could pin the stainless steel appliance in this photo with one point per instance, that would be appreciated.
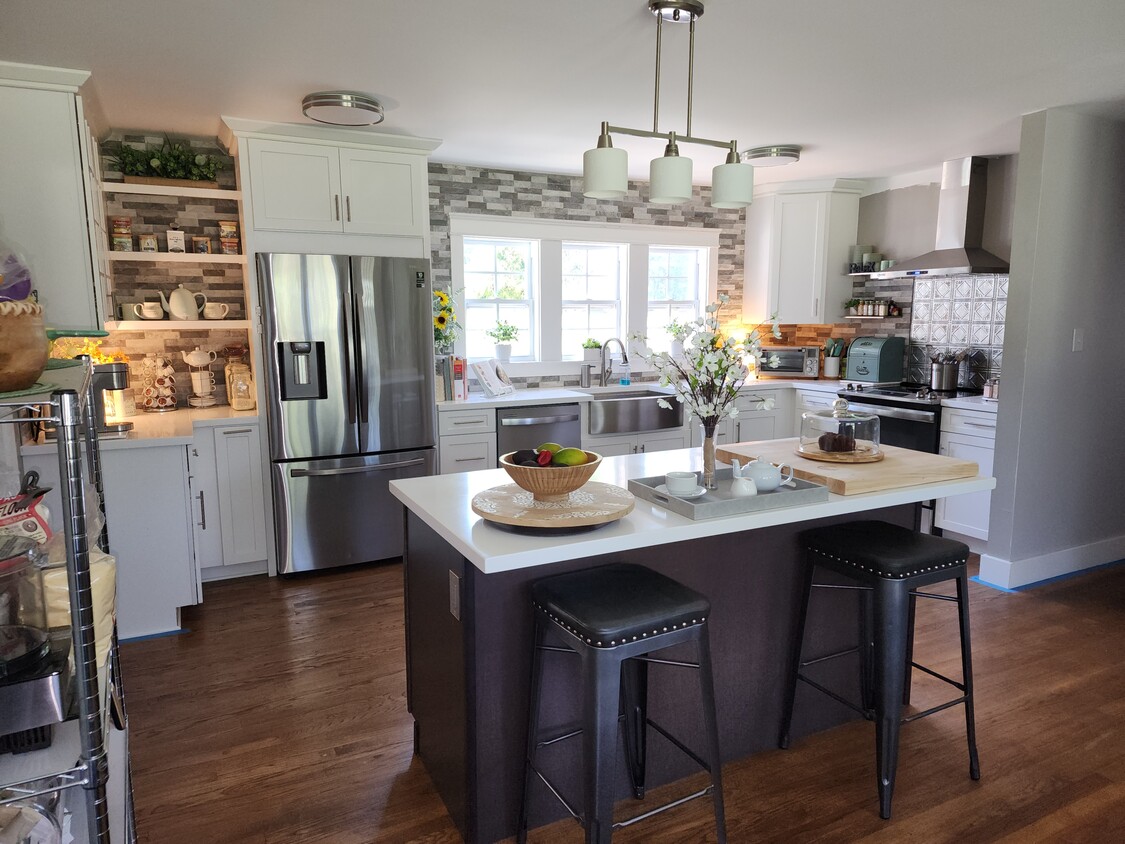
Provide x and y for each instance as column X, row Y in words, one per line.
column 528, row 427
column 348, row 345
column 791, row 362
column 876, row 360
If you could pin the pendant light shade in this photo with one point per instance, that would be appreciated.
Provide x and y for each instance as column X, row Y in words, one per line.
column 605, row 173
column 669, row 180
column 732, row 184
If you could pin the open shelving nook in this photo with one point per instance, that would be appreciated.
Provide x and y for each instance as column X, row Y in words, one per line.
column 177, row 257
column 176, row 324
column 171, row 190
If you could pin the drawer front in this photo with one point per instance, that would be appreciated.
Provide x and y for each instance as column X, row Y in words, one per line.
column 974, row 423
column 466, row 421
column 467, row 454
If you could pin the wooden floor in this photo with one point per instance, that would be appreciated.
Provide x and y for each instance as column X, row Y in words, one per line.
column 281, row 717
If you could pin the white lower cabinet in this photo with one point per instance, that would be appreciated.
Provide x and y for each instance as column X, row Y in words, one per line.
column 466, row 440
column 642, row 443
column 806, row 400
column 967, row 514
column 228, row 496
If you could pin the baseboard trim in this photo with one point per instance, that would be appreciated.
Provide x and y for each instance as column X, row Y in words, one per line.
column 1013, row 574
column 212, row 573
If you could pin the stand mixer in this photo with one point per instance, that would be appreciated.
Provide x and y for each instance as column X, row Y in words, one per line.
column 202, row 378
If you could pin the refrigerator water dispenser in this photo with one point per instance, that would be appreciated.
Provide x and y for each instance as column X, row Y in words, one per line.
column 302, row 371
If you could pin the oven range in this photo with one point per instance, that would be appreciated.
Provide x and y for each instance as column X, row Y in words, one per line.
column 909, row 414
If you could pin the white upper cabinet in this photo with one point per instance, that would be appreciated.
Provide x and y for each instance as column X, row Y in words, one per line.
column 43, row 190
column 313, row 187
column 798, row 237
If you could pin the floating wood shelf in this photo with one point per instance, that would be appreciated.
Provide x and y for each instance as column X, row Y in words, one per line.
column 171, row 190
column 176, row 324
column 177, row 257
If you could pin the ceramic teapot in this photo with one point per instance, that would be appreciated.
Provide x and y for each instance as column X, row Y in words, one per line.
column 197, row 357
column 182, row 303
column 766, row 476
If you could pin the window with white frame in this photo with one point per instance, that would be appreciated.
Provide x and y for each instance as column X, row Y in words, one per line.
column 560, row 282
column 499, row 284
column 594, row 278
column 676, row 287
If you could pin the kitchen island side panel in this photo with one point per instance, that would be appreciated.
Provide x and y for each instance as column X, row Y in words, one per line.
column 437, row 669
column 753, row 581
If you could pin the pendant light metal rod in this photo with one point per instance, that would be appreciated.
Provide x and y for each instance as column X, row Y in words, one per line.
column 690, row 69
column 645, row 133
column 656, row 97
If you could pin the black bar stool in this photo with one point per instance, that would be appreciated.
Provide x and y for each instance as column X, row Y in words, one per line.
column 611, row 617
column 889, row 563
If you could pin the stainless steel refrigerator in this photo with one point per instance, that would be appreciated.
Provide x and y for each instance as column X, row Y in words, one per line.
column 348, row 348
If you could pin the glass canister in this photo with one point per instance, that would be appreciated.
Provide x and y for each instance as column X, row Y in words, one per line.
column 242, row 395
column 23, row 607
column 840, row 434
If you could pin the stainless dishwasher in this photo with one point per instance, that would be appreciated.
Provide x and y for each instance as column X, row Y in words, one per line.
column 528, row 427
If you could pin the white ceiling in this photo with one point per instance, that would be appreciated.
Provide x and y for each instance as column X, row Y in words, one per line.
column 870, row 88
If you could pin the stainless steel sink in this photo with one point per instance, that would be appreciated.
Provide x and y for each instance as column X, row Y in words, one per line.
column 633, row 411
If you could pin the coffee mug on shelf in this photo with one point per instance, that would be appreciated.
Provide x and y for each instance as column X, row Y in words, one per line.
column 149, row 310
column 215, row 310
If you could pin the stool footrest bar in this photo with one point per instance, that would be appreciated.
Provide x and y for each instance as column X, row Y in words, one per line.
column 942, row 677
column 865, row 713
column 672, row 805
column 675, row 662
column 836, row 655
column 558, row 795
column 934, row 709
column 687, row 750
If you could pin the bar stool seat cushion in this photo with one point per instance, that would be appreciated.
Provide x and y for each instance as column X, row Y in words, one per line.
column 611, row 605
column 885, row 550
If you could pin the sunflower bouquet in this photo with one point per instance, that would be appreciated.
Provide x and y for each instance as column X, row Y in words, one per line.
column 445, row 323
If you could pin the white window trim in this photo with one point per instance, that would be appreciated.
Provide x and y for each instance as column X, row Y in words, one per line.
column 552, row 234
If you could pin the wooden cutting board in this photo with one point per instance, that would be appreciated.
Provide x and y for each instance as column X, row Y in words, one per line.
column 901, row 466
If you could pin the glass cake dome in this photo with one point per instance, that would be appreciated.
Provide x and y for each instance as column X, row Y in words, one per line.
column 840, row 435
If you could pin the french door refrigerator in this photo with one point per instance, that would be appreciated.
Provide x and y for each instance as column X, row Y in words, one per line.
column 348, row 353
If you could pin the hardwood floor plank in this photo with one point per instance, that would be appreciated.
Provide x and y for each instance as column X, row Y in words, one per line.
column 281, row 718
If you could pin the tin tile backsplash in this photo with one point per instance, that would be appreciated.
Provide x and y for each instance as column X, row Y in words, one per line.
column 956, row 313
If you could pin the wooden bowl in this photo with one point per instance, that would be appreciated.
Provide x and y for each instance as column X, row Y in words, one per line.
column 23, row 345
column 551, row 483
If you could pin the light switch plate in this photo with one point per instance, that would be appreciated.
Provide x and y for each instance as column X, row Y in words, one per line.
column 1079, row 340
column 454, row 595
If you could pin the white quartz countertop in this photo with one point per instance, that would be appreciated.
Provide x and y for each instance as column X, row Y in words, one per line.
column 443, row 503
column 163, row 429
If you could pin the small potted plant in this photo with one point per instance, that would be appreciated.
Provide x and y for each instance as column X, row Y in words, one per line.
column 503, row 333
column 679, row 331
column 591, row 350
column 851, row 307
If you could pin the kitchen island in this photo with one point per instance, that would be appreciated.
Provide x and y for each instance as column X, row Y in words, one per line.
column 468, row 627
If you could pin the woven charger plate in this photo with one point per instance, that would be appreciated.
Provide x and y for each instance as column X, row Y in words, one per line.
column 594, row 503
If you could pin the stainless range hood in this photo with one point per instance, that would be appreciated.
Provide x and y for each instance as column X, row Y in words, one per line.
column 960, row 225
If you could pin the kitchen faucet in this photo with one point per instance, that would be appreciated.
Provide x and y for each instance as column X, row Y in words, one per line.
column 606, row 371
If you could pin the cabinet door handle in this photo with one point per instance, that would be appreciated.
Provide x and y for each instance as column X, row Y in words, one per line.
column 469, row 422
column 237, row 431
column 979, row 424
column 468, row 459
column 202, row 512
column 337, row 206
column 348, row 207
column 642, row 448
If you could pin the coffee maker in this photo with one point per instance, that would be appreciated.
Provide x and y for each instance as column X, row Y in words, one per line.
column 112, row 377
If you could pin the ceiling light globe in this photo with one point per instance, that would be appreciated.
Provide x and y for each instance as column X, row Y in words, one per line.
column 605, row 173
column 342, row 108
column 669, row 180
column 732, row 186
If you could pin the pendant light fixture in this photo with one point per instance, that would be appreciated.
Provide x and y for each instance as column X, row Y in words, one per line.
column 605, row 170
column 342, row 108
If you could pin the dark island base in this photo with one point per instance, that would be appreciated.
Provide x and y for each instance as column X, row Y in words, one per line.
column 467, row 678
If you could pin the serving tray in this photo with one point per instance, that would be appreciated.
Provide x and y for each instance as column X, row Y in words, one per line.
column 720, row 502
column 593, row 503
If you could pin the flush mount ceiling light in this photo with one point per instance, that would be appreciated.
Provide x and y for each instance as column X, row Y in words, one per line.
column 605, row 170
column 772, row 156
column 342, row 108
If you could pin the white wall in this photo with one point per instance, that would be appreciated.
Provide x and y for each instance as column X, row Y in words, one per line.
column 1058, row 505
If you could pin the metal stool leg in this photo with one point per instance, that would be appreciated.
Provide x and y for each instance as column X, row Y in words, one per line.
column 532, row 724
column 909, row 650
column 866, row 651
column 714, row 756
column 967, row 673
column 891, row 611
column 602, row 703
column 634, row 694
column 798, row 636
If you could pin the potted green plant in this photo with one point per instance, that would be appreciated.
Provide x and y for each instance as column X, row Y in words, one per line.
column 591, row 350
column 503, row 333
column 679, row 331
column 173, row 162
column 851, row 307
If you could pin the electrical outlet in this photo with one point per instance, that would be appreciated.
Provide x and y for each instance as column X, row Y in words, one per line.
column 1079, row 342
column 454, row 596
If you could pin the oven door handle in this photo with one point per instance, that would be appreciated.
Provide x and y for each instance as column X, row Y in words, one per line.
column 896, row 412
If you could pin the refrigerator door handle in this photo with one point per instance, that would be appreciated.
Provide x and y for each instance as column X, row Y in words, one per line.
column 353, row 470
column 360, row 357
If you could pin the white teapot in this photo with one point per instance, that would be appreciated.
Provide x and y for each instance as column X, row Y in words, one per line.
column 765, row 475
column 182, row 303
column 198, row 357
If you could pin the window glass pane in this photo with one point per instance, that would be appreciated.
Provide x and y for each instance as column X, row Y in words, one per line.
column 676, row 283
column 592, row 287
column 574, row 287
column 499, row 276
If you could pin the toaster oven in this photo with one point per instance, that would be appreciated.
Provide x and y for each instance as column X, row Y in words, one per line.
column 789, row 362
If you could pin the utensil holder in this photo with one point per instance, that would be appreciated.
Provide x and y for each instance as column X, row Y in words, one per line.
column 943, row 376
